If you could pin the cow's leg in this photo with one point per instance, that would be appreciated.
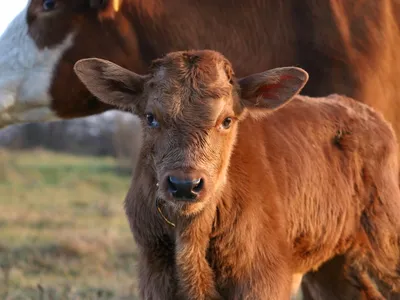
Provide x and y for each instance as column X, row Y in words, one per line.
column 296, row 282
column 368, row 287
column 269, row 277
column 272, row 282
column 196, row 278
column 330, row 282
column 157, row 280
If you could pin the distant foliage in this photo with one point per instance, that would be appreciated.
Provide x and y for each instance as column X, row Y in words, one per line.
column 110, row 134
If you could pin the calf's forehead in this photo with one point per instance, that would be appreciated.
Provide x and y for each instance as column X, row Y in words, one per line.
column 180, row 96
column 198, row 74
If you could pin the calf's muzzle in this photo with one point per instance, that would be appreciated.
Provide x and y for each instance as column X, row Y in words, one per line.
column 184, row 187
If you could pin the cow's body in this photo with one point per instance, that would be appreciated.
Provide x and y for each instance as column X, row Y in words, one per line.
column 312, row 180
column 347, row 47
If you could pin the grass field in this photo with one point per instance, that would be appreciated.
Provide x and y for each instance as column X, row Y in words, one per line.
column 63, row 232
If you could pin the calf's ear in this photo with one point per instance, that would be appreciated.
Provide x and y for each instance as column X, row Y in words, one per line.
column 273, row 88
column 110, row 83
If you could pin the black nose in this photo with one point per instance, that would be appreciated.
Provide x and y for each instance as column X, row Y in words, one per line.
column 184, row 189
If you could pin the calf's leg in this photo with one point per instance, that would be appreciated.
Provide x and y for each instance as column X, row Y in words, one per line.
column 330, row 282
column 296, row 282
column 196, row 278
column 271, row 280
column 157, row 280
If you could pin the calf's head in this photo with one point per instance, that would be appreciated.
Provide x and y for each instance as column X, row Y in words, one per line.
column 190, row 105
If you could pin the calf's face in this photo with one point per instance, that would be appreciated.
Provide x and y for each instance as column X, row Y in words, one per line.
column 191, row 106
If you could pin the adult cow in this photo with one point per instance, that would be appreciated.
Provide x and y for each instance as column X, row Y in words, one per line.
column 261, row 183
column 348, row 47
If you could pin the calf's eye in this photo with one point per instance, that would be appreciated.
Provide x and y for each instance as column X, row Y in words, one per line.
column 226, row 123
column 151, row 121
column 49, row 4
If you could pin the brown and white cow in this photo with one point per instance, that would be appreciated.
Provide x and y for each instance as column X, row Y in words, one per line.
column 242, row 183
column 348, row 47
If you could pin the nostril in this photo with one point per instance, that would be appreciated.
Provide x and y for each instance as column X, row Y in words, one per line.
column 198, row 185
column 171, row 185
column 184, row 188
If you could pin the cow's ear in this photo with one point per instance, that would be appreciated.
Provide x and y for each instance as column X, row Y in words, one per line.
column 273, row 88
column 111, row 84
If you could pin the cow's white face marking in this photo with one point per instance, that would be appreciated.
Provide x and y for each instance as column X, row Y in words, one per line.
column 26, row 74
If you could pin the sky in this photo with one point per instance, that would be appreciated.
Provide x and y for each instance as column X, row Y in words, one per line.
column 9, row 11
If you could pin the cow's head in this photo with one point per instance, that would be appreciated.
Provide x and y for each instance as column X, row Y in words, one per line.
column 40, row 47
column 191, row 106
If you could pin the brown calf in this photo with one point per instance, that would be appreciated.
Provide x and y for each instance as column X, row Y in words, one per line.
column 242, row 184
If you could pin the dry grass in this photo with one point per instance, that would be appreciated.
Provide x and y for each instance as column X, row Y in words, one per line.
column 63, row 232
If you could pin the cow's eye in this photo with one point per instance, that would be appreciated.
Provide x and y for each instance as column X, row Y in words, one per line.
column 151, row 121
column 226, row 123
column 49, row 4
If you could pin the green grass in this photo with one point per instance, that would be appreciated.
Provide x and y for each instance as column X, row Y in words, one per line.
column 63, row 231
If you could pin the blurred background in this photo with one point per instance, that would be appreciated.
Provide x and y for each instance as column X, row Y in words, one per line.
column 63, row 231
